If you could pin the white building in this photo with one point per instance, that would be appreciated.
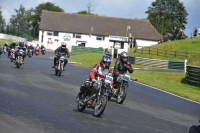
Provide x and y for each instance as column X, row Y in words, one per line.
column 94, row 31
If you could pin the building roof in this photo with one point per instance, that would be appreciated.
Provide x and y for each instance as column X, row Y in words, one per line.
column 97, row 25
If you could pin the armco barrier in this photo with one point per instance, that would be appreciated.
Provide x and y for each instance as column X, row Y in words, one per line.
column 193, row 74
column 164, row 64
column 87, row 49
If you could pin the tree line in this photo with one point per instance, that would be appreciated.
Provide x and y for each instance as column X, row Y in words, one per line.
column 167, row 16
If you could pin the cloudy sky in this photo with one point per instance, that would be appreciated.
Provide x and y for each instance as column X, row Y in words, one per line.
column 111, row 8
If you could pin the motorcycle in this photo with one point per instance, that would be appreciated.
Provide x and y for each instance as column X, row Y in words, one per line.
column 37, row 51
column 59, row 64
column 43, row 51
column 4, row 49
column 19, row 59
column 119, row 90
column 30, row 53
column 96, row 99
column 12, row 55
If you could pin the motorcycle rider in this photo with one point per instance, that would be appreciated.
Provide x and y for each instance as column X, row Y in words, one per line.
column 121, row 66
column 5, row 46
column 37, row 47
column 42, row 46
column 95, row 74
column 64, row 50
column 21, row 46
column 12, row 46
column 32, row 48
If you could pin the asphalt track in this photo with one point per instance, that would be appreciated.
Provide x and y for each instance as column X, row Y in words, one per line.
column 34, row 100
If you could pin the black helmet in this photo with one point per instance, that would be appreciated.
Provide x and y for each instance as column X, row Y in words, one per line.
column 123, row 57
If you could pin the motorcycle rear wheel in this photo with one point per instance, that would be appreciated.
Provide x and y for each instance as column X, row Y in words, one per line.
column 100, row 106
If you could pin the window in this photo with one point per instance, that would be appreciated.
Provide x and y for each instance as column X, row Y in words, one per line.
column 100, row 38
column 55, row 33
column 76, row 35
column 52, row 33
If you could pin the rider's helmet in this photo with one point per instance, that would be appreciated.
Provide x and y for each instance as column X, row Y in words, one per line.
column 21, row 43
column 6, row 43
column 63, row 45
column 105, row 61
column 123, row 57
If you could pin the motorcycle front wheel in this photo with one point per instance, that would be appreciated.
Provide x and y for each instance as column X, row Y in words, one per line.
column 122, row 94
column 100, row 106
column 81, row 107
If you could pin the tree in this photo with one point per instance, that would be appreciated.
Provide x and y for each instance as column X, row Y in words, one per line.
column 2, row 21
column 167, row 16
column 37, row 12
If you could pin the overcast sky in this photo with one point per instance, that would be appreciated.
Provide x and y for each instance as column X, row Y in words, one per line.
column 111, row 8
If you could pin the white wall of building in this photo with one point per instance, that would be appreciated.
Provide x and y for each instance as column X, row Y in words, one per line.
column 11, row 37
column 89, row 40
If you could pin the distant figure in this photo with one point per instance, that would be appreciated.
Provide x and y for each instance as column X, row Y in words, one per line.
column 195, row 32
column 198, row 32
column 181, row 34
column 169, row 36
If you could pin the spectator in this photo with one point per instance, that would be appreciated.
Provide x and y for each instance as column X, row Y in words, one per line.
column 181, row 34
column 169, row 36
column 198, row 32
column 195, row 32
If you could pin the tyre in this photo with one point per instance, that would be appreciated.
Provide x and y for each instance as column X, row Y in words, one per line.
column 122, row 94
column 59, row 72
column 81, row 107
column 56, row 71
column 100, row 106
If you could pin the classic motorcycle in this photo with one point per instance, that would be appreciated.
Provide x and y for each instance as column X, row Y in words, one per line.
column 59, row 64
column 96, row 99
column 37, row 51
column 12, row 55
column 119, row 90
column 30, row 53
column 43, row 51
column 19, row 59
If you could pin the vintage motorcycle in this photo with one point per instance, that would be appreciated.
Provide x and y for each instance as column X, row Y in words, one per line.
column 59, row 64
column 119, row 90
column 12, row 55
column 96, row 99
column 19, row 59
column 30, row 53
column 43, row 51
column 37, row 51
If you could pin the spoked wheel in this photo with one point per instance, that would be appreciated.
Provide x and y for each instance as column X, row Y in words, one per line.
column 122, row 94
column 100, row 106
column 81, row 107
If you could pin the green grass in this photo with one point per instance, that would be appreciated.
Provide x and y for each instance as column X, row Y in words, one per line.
column 191, row 45
column 2, row 41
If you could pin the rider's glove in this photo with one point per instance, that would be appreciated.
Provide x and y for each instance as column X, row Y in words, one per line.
column 127, row 66
column 117, row 73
